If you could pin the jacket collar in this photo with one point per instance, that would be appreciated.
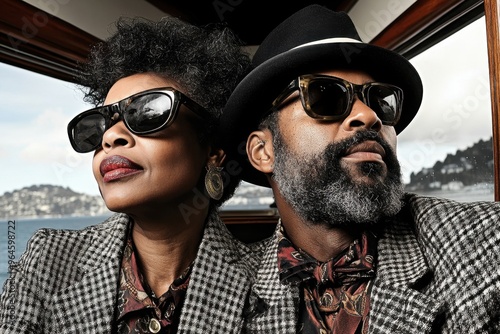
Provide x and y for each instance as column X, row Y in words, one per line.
column 222, row 271
column 95, row 287
column 397, row 305
column 273, row 299
column 221, row 275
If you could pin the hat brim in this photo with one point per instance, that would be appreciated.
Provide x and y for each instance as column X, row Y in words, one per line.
column 259, row 88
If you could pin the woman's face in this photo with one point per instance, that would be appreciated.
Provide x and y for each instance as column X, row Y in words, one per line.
column 147, row 174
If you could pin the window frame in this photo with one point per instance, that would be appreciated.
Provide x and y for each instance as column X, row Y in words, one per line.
column 37, row 41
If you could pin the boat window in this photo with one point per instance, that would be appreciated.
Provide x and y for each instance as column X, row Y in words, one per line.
column 34, row 113
column 447, row 150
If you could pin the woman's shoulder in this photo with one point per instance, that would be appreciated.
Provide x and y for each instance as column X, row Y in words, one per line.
column 115, row 222
column 48, row 245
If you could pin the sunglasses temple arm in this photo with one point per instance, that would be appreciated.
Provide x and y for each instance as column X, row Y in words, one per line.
column 195, row 107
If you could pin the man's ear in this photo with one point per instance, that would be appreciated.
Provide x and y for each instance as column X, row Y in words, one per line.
column 260, row 151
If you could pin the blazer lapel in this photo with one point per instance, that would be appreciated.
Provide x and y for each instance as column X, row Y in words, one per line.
column 397, row 305
column 88, row 305
column 220, row 283
column 278, row 303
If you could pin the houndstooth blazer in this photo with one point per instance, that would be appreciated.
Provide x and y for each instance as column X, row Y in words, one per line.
column 67, row 281
column 438, row 272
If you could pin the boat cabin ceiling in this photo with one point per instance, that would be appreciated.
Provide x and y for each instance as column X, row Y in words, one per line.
column 51, row 36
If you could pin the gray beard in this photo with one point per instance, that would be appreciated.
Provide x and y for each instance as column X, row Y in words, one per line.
column 322, row 192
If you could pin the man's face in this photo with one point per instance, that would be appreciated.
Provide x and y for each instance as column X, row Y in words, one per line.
column 337, row 172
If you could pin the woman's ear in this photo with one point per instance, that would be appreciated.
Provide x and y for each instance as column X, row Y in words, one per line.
column 260, row 151
column 216, row 157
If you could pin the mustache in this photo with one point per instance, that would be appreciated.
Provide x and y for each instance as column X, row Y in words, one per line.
column 321, row 178
column 341, row 148
column 330, row 159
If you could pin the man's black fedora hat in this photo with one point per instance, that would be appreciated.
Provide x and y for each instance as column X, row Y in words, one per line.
column 313, row 39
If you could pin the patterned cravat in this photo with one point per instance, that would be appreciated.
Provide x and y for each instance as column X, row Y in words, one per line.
column 335, row 294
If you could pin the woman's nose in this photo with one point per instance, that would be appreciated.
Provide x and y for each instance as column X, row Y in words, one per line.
column 117, row 135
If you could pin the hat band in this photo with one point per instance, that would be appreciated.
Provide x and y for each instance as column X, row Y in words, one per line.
column 330, row 41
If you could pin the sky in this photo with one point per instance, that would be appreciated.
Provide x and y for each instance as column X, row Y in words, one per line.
column 35, row 149
column 35, row 110
column 456, row 107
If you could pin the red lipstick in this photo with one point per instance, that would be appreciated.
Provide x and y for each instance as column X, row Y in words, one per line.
column 117, row 167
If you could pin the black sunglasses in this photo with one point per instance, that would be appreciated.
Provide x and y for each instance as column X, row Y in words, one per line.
column 143, row 113
column 330, row 98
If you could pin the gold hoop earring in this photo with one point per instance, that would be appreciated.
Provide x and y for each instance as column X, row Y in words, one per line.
column 213, row 182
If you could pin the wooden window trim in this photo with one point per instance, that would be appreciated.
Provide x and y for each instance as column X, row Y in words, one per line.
column 37, row 41
column 491, row 8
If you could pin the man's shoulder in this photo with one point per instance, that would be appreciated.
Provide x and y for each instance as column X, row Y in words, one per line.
column 446, row 222
column 427, row 207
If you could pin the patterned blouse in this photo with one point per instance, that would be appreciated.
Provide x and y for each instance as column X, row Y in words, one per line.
column 335, row 295
column 138, row 309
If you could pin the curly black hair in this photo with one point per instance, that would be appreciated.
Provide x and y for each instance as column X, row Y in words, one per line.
column 207, row 63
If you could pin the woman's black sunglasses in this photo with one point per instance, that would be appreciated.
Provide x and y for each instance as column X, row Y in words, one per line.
column 142, row 113
column 330, row 98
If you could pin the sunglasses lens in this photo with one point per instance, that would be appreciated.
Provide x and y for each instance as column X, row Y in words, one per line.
column 87, row 132
column 149, row 112
column 327, row 98
column 142, row 114
column 384, row 100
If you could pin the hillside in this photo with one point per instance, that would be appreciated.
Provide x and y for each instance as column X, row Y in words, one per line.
column 471, row 166
column 49, row 201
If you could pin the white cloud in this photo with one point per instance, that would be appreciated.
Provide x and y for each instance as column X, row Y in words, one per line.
column 456, row 108
column 33, row 121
